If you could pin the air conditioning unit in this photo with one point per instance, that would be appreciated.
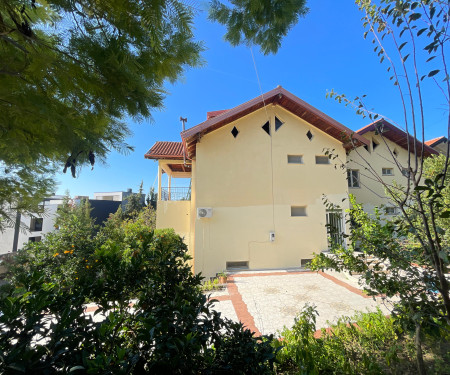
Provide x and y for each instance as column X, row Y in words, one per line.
column 203, row 212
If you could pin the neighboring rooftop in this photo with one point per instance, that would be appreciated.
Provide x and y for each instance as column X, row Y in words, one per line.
column 396, row 135
column 436, row 141
column 165, row 150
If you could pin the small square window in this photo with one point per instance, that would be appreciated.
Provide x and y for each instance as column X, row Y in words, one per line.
column 405, row 172
column 298, row 210
column 391, row 210
column 234, row 132
column 36, row 224
column 295, row 159
column 387, row 171
column 34, row 239
column 353, row 178
column 322, row 159
column 309, row 135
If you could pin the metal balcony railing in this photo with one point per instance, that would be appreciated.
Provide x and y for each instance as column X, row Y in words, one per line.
column 176, row 194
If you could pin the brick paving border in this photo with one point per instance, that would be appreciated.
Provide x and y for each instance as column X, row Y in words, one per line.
column 240, row 307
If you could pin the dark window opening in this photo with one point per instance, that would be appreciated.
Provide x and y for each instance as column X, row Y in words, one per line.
column 238, row 264
column 295, row 159
column 266, row 127
column 235, row 132
column 305, row 262
column 353, row 178
column 335, row 228
column 36, row 224
column 278, row 123
column 298, row 210
column 375, row 144
column 322, row 159
column 309, row 135
column 34, row 239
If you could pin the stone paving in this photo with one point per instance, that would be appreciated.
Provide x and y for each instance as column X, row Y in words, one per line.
column 267, row 301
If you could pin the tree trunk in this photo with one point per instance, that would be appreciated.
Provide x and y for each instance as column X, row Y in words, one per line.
column 419, row 354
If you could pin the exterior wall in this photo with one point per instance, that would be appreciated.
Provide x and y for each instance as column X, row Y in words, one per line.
column 7, row 237
column 441, row 147
column 371, row 193
column 176, row 215
column 251, row 188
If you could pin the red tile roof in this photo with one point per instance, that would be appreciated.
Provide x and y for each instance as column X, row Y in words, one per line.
column 213, row 114
column 396, row 135
column 281, row 97
column 165, row 150
column 435, row 141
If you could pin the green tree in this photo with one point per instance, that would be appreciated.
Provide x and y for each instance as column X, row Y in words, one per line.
column 70, row 71
column 171, row 328
column 411, row 39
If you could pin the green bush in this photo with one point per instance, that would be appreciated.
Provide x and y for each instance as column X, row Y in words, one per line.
column 171, row 328
column 367, row 343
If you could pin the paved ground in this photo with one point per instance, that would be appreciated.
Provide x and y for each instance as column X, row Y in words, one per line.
column 267, row 301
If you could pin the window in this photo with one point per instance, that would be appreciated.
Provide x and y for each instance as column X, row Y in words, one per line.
column 353, row 178
column 36, row 224
column 335, row 228
column 304, row 263
column 387, row 171
column 405, row 172
column 34, row 239
column 375, row 144
column 390, row 210
column 295, row 159
column 298, row 210
column 278, row 123
column 231, row 265
column 322, row 159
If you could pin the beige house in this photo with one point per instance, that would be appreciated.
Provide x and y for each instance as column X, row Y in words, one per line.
column 439, row 144
column 385, row 158
column 258, row 173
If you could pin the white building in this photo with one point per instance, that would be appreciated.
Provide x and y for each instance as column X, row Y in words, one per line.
column 119, row 196
column 31, row 228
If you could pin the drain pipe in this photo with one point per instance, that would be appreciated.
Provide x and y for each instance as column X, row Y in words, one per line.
column 183, row 121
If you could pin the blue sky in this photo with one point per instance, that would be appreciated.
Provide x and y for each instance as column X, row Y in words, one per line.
column 324, row 51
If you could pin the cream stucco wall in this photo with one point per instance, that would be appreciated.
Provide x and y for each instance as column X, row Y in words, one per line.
column 371, row 192
column 251, row 188
column 176, row 215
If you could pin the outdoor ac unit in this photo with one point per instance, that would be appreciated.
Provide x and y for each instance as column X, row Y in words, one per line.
column 203, row 212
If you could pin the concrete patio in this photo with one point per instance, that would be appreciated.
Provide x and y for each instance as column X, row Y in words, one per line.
column 266, row 301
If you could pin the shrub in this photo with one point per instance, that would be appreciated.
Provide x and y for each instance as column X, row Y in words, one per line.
column 170, row 329
column 366, row 343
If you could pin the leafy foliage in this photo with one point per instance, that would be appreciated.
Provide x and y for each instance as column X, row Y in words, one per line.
column 257, row 22
column 71, row 71
column 151, row 316
column 411, row 39
column 366, row 343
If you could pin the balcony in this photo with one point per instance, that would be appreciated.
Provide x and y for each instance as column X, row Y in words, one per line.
column 175, row 193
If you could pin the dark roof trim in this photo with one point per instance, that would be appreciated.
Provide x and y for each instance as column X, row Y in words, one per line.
column 285, row 99
column 436, row 141
column 396, row 135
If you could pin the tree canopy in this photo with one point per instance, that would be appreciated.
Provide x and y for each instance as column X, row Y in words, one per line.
column 71, row 70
